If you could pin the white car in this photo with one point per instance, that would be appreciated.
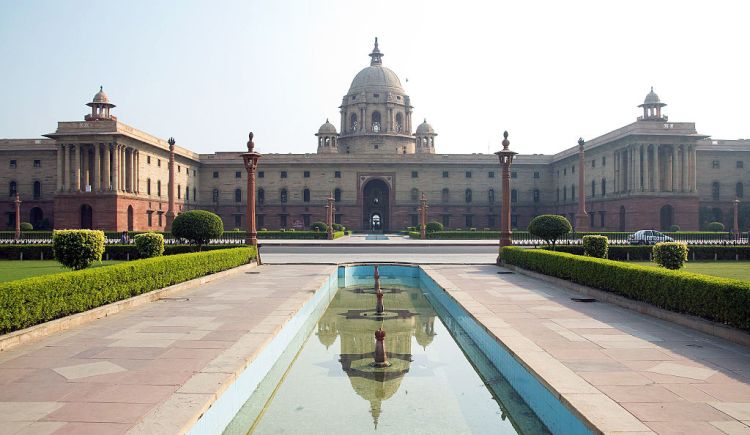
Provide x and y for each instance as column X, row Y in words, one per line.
column 648, row 237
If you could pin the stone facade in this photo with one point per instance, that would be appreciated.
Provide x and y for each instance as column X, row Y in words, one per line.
column 102, row 173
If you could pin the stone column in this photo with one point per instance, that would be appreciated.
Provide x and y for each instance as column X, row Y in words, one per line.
column 616, row 172
column 85, row 167
column 123, row 169
column 97, row 168
column 683, row 169
column 66, row 172
column 76, row 168
column 60, row 163
column 673, row 169
column 107, row 182
column 638, row 171
column 657, row 169
column 137, row 171
column 582, row 219
column 691, row 170
column 115, row 167
column 170, row 187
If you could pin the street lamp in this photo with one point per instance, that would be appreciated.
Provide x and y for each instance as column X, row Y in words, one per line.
column 170, row 188
column 329, row 216
column 18, row 216
column 582, row 223
column 506, row 159
column 736, row 204
column 250, row 158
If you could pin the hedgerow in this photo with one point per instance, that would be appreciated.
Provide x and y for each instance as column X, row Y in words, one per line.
column 713, row 298
column 30, row 301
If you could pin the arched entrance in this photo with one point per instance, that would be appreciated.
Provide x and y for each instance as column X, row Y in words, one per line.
column 665, row 217
column 622, row 218
column 36, row 216
column 130, row 218
column 87, row 217
column 375, row 205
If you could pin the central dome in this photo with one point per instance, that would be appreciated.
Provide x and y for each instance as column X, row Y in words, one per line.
column 376, row 76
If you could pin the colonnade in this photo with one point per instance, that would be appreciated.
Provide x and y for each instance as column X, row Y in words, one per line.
column 98, row 167
column 655, row 168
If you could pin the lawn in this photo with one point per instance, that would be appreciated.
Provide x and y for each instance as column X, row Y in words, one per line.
column 15, row 269
column 724, row 269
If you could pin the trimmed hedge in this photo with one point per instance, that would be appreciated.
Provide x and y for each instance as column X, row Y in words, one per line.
column 316, row 235
column 111, row 252
column 595, row 246
column 671, row 255
column 149, row 245
column 643, row 252
column 717, row 299
column 30, row 301
column 77, row 249
column 197, row 226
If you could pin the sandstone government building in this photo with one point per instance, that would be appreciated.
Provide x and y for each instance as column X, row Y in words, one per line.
column 102, row 173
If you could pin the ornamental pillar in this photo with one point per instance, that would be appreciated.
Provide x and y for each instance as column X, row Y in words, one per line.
column 506, row 159
column 97, row 168
column 582, row 221
column 170, row 187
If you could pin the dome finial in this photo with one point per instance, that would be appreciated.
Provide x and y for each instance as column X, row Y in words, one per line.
column 101, row 88
column 376, row 55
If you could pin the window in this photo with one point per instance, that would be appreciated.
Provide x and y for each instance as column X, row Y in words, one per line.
column 514, row 221
column 282, row 220
column 715, row 164
column 237, row 195
column 740, row 164
column 565, row 193
column 468, row 174
column 376, row 122
column 283, row 196
column 469, row 221
column 604, row 187
column 179, row 168
column 491, row 174
column 604, row 163
column 601, row 218
column 215, row 195
column 187, row 193
column 514, row 175
column 13, row 164
column 148, row 162
column 158, row 188
column 414, row 174
column 216, row 174
column 536, row 195
column 414, row 194
column 513, row 195
column 592, row 217
column 149, row 217
column 739, row 190
column 195, row 196
column 593, row 165
column 536, row 174
column 37, row 190
column 179, row 194
column 353, row 124
column 572, row 192
column 238, row 221
column 445, row 195
column 283, row 174
column 337, row 174
column 306, row 220
column 593, row 188
column 261, row 174
column 261, row 196
column 715, row 190
column 37, row 163
column 376, row 95
column 375, row 146
column 337, row 195
column 573, row 169
column 237, row 174
column 399, row 122
column 193, row 175
column 158, row 164
column 306, row 195
column 468, row 195
column 445, row 174
column 565, row 171
column 306, row 174
column 160, row 215
column 148, row 186
column 491, row 196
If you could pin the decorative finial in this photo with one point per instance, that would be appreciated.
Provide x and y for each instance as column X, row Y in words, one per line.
column 580, row 141
column 171, row 143
column 250, row 143
column 326, row 120
column 506, row 142
column 652, row 89
column 376, row 55
column 101, row 88
column 425, row 120
column 376, row 44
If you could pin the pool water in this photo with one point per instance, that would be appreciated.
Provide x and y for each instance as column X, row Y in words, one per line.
column 430, row 387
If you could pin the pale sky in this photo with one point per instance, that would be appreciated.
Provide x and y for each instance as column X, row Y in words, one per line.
column 207, row 72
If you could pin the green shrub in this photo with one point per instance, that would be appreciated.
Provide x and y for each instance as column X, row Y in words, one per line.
column 197, row 226
column 715, row 227
column 77, row 249
column 433, row 226
column 595, row 246
column 30, row 301
column 674, row 228
column 25, row 226
column 671, row 255
column 718, row 299
column 319, row 226
column 338, row 227
column 549, row 227
column 149, row 245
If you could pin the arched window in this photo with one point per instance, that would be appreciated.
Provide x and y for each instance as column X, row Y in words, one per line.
column 593, row 188
column 158, row 187
column 399, row 123
column 491, row 196
column 283, row 196
column 328, row 141
column 237, row 195
column 353, row 123
column 513, row 195
column 467, row 195
column 306, row 195
column 215, row 195
column 148, row 186
column 536, row 195
column 261, row 196
column 715, row 191
column 445, row 195
column 376, row 122
column 337, row 195
column 739, row 190
column 414, row 194
column 13, row 188
column 604, row 186
column 37, row 190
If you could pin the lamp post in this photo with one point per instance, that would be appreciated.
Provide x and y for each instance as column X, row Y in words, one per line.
column 250, row 158
column 18, row 217
column 423, row 217
column 329, row 216
column 736, row 205
column 582, row 223
column 506, row 158
column 170, row 188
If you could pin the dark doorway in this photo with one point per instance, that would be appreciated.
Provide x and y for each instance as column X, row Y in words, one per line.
column 36, row 217
column 87, row 217
column 375, row 202
column 622, row 218
column 665, row 217
column 130, row 218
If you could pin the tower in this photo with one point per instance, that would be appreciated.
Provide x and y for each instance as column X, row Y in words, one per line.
column 652, row 108
column 425, row 138
column 327, row 139
column 100, row 107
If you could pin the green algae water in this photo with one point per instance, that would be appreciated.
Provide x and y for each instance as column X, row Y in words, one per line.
column 433, row 385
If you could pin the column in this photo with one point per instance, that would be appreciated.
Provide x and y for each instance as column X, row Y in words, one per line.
column 673, row 174
column 638, row 160
column 694, row 169
column 107, row 182
column 123, row 169
column 683, row 169
column 66, row 172
column 129, row 159
column 85, row 167
column 76, row 168
column 137, row 171
column 115, row 167
column 648, row 161
column 60, row 162
column 657, row 169
column 616, row 172
column 97, row 168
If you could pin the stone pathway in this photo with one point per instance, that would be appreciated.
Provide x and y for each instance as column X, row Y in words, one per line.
column 627, row 372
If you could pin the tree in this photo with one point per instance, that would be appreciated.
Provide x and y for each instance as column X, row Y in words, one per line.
column 77, row 249
column 432, row 227
column 549, row 227
column 197, row 226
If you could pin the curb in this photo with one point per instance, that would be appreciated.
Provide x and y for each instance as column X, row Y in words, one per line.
column 41, row 330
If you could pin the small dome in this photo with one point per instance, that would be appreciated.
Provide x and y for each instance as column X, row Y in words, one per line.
column 425, row 128
column 652, row 98
column 100, row 96
column 327, row 128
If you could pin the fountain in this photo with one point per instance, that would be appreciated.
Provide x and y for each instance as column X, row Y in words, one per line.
column 381, row 358
column 379, row 293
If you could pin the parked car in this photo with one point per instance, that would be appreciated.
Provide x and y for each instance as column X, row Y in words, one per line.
column 648, row 237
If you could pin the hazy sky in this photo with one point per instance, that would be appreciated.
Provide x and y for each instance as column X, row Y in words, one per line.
column 207, row 72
